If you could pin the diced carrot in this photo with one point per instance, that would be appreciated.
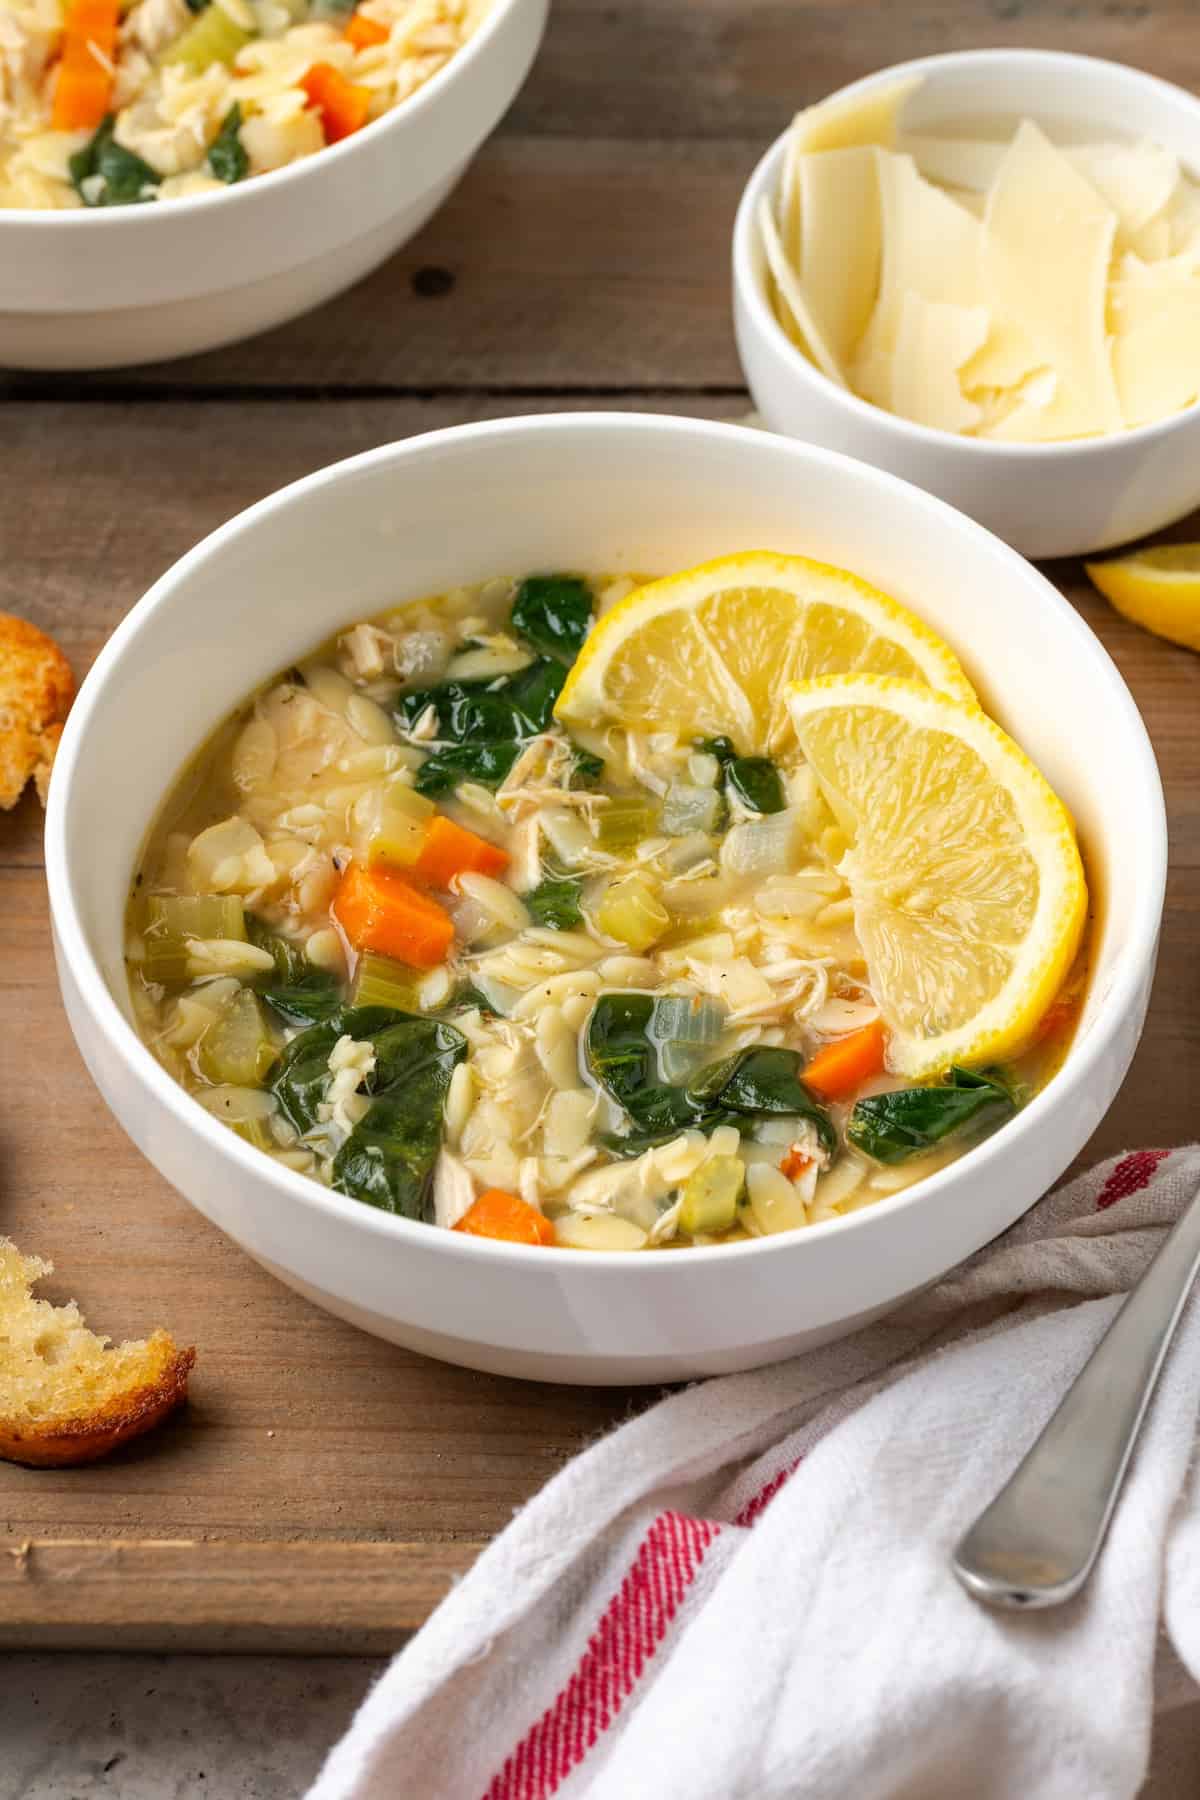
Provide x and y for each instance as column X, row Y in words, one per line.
column 839, row 1067
column 379, row 910
column 448, row 850
column 363, row 32
column 83, row 89
column 343, row 105
column 795, row 1163
column 499, row 1215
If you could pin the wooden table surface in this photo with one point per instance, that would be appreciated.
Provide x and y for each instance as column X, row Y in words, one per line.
column 323, row 1488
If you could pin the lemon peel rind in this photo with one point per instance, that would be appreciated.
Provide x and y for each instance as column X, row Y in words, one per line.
column 1005, row 1025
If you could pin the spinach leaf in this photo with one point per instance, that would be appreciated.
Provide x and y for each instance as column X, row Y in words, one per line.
column 226, row 157
column 389, row 1156
column 586, row 767
column 755, row 781
column 622, row 1058
column 555, row 903
column 757, row 1083
column 720, row 747
column 468, row 995
column 291, row 964
column 554, row 613
column 767, row 1081
column 509, row 706
column 313, row 997
column 125, row 176
column 301, row 1075
column 891, row 1127
column 486, row 763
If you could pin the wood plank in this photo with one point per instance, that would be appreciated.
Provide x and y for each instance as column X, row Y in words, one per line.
column 89, row 1594
column 723, row 68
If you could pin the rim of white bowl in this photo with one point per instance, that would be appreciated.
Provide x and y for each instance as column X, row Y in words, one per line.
column 45, row 218
column 1069, row 1083
column 764, row 179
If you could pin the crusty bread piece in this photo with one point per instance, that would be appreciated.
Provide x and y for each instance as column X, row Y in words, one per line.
column 36, row 690
column 66, row 1396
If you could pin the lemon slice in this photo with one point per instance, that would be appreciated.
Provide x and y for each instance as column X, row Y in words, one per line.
column 714, row 650
column 969, row 894
column 1158, row 589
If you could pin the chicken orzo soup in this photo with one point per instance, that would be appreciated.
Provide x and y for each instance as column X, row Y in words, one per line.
column 568, row 910
column 113, row 102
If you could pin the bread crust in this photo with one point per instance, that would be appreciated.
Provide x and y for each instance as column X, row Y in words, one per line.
column 36, row 691
column 60, row 1442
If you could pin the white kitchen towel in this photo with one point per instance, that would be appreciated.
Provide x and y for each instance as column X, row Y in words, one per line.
column 744, row 1594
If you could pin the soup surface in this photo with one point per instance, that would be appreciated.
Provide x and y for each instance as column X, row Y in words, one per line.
column 601, row 935
column 103, row 103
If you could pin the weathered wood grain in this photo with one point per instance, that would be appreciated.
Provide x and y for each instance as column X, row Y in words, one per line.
column 163, row 1594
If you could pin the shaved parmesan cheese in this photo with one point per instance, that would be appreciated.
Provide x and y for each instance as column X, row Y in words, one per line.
column 1137, row 181
column 1047, row 245
column 931, row 248
column 1183, row 217
column 849, row 120
column 933, row 343
column 1014, row 290
column 1157, row 366
column 788, row 286
column 971, row 163
column 839, row 268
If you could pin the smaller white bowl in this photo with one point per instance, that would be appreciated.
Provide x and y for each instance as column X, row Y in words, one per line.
column 1043, row 499
column 137, row 284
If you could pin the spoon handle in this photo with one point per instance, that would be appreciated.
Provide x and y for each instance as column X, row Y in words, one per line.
column 1036, row 1543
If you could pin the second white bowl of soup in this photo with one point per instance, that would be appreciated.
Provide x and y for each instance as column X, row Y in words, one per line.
column 503, row 934
column 104, row 285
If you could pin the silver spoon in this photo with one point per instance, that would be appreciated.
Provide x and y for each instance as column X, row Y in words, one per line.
column 1036, row 1544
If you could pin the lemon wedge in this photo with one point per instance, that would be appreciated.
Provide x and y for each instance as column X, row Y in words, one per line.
column 1158, row 589
column 968, row 889
column 713, row 651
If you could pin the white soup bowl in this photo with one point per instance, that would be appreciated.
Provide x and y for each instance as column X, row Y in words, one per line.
column 605, row 492
column 97, row 289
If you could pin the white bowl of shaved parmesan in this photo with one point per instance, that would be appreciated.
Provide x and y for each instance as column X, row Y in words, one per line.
column 189, row 174
column 981, row 271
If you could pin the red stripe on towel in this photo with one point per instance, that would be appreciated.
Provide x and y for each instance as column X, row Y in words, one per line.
column 759, row 1502
column 1130, row 1176
column 630, row 1630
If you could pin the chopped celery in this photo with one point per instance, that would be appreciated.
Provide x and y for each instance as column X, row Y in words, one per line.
column 625, row 821
column 400, row 829
column 710, row 1196
column 688, row 807
column 631, row 912
column 211, row 38
column 255, row 1131
column 237, row 1048
column 378, row 981
column 171, row 919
